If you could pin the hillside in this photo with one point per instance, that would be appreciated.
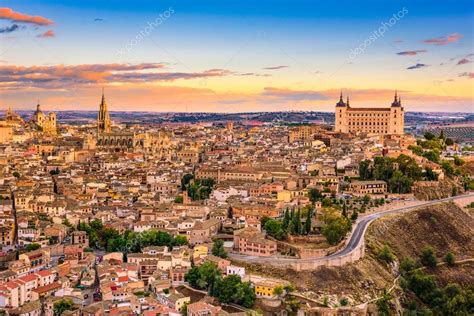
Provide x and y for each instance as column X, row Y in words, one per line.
column 445, row 227
column 444, row 189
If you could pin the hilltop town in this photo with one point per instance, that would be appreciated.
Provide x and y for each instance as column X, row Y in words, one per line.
column 214, row 218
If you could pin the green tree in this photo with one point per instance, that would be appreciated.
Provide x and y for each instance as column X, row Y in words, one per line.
column 227, row 288
column 454, row 191
column 336, row 229
column 275, row 229
column 449, row 142
column 430, row 175
column 218, row 249
column 344, row 209
column 326, row 202
column 429, row 136
column 298, row 227
column 386, row 254
column 314, row 195
column 32, row 246
column 365, row 171
column 441, row 135
column 450, row 259
column 61, row 306
column 354, row 215
column 294, row 223
column 447, row 168
column 383, row 304
column 286, row 219
column 458, row 161
column 366, row 199
column 432, row 155
column 180, row 240
column 278, row 290
column 245, row 295
column 399, row 183
column 184, row 309
column 16, row 174
column 307, row 223
column 407, row 265
column 185, row 180
column 264, row 220
column 205, row 277
column 192, row 277
column 428, row 257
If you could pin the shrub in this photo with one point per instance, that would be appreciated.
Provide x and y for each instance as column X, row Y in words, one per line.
column 449, row 259
column 428, row 257
column 386, row 254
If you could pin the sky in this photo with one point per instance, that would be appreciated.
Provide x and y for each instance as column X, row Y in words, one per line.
column 236, row 56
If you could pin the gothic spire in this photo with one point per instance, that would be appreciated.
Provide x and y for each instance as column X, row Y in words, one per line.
column 341, row 101
column 103, row 118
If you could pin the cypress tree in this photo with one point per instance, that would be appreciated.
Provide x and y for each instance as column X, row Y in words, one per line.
column 298, row 223
column 307, row 224
column 293, row 223
column 344, row 209
column 286, row 219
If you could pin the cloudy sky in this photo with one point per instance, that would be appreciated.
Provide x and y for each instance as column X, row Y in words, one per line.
column 234, row 56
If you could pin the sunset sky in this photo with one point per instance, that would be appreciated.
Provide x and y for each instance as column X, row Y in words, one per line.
column 236, row 56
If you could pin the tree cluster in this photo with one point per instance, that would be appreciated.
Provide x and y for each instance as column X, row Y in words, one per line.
column 399, row 173
column 199, row 189
column 111, row 240
column 290, row 224
column 425, row 296
column 336, row 228
column 229, row 289
column 218, row 249
column 61, row 306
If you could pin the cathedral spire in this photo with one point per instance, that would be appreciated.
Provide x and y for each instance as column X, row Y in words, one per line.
column 103, row 118
column 396, row 99
column 341, row 101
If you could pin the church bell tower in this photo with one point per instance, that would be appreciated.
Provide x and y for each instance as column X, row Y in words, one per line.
column 103, row 119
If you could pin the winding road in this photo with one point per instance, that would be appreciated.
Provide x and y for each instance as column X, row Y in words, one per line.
column 355, row 240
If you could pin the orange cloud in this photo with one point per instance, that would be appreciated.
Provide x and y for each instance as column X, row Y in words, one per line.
column 61, row 76
column 443, row 40
column 9, row 14
column 47, row 34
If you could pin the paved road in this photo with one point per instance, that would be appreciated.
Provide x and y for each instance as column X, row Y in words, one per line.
column 356, row 236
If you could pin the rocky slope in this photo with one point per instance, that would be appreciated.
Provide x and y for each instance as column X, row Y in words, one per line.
column 445, row 227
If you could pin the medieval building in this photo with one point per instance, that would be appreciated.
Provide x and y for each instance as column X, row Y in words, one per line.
column 384, row 121
column 126, row 141
column 44, row 123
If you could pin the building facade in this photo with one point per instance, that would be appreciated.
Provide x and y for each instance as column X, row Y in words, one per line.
column 44, row 123
column 369, row 187
column 119, row 141
column 384, row 121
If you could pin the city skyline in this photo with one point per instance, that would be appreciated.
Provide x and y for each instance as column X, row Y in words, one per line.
column 224, row 57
